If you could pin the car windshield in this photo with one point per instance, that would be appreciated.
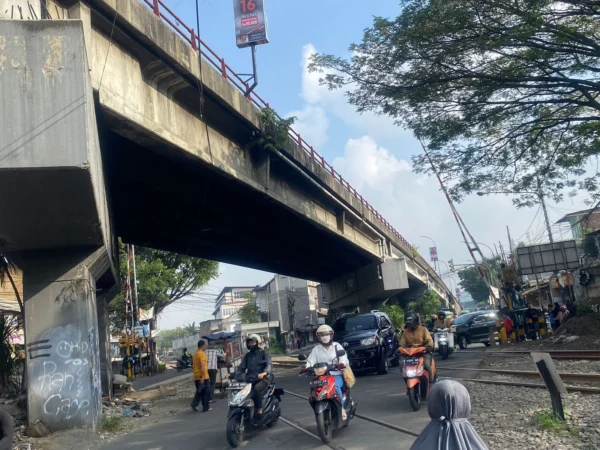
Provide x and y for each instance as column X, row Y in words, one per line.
column 461, row 320
column 356, row 323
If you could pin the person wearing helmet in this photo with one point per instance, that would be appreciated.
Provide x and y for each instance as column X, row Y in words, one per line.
column 441, row 321
column 416, row 335
column 256, row 368
column 185, row 356
column 325, row 351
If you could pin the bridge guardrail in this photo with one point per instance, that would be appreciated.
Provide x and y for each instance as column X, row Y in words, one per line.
column 190, row 35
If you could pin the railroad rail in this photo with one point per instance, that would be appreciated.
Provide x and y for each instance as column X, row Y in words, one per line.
column 190, row 35
column 589, row 377
column 552, row 352
column 582, row 389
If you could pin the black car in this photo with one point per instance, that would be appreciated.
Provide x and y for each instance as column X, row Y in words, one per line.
column 474, row 328
column 368, row 339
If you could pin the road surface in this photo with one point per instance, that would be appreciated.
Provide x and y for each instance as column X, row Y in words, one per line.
column 379, row 397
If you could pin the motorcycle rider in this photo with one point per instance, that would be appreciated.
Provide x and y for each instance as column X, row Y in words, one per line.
column 416, row 335
column 441, row 321
column 257, row 367
column 325, row 352
column 185, row 356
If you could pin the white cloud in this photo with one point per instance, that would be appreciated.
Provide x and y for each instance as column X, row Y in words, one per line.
column 365, row 163
column 312, row 124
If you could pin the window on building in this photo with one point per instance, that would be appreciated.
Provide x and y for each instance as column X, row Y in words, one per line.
column 236, row 294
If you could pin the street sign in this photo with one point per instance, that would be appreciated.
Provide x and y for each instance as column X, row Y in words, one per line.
column 433, row 254
column 250, row 23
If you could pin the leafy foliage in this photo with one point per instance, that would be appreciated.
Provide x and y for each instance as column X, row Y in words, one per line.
column 163, row 277
column 277, row 347
column 10, row 366
column 191, row 329
column 166, row 337
column 427, row 304
column 275, row 130
column 471, row 281
column 249, row 313
column 505, row 92
column 395, row 313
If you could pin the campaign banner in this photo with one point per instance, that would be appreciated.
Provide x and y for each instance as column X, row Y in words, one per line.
column 250, row 23
column 433, row 254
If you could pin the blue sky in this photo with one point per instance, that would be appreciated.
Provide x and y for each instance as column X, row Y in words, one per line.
column 369, row 151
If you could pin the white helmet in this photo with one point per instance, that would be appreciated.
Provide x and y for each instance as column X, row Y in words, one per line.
column 254, row 337
column 325, row 334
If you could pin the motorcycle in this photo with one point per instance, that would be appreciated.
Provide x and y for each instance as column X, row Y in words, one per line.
column 443, row 342
column 241, row 409
column 183, row 364
column 325, row 403
column 418, row 380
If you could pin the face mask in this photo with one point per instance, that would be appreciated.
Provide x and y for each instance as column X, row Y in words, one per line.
column 325, row 339
column 251, row 347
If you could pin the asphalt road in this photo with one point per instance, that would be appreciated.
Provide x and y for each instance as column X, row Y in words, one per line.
column 143, row 382
column 380, row 397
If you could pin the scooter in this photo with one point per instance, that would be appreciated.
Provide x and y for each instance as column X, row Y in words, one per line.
column 418, row 380
column 323, row 399
column 242, row 413
column 183, row 364
column 443, row 342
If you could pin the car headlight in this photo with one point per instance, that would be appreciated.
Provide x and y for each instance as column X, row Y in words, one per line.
column 368, row 341
column 236, row 399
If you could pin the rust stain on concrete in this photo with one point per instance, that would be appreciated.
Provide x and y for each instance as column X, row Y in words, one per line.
column 53, row 49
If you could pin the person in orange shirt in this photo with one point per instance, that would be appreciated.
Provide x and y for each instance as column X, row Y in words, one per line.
column 201, row 379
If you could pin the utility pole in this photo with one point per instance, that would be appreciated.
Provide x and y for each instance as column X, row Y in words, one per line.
column 510, row 242
column 135, row 290
column 541, row 196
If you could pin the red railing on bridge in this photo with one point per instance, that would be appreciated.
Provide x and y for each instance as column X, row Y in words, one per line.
column 191, row 36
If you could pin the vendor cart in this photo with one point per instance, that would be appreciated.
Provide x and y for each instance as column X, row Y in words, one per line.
column 230, row 344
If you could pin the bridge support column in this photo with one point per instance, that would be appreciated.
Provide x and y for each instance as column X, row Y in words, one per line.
column 61, row 324
column 367, row 288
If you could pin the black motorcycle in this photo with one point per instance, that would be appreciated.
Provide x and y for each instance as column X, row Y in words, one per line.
column 183, row 364
column 242, row 413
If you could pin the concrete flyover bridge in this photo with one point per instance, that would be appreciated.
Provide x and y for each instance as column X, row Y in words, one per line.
column 118, row 121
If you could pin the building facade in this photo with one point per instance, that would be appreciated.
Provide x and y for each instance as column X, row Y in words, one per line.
column 230, row 300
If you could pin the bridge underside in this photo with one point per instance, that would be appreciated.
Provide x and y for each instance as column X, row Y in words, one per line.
column 181, row 205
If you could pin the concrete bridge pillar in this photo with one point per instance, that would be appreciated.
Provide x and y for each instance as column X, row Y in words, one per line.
column 21, row 9
column 64, row 388
column 55, row 222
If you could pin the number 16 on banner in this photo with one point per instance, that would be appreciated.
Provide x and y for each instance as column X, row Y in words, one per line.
column 250, row 23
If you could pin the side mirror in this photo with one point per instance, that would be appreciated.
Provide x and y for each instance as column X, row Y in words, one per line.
column 339, row 353
column 301, row 357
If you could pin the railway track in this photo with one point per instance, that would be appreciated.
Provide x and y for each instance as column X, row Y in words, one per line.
column 588, row 377
column 582, row 389
column 575, row 355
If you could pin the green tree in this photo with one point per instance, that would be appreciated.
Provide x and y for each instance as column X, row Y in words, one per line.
column 505, row 92
column 471, row 281
column 191, row 329
column 395, row 313
column 249, row 313
column 166, row 337
column 426, row 305
column 163, row 277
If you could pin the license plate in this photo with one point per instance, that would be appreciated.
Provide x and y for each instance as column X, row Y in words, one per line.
column 317, row 383
column 236, row 385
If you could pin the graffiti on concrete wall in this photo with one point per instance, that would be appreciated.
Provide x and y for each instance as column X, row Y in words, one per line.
column 64, row 376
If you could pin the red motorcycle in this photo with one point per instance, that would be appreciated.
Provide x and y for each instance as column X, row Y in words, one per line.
column 324, row 401
column 418, row 380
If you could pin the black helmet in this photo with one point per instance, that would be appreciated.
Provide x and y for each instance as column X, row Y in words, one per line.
column 411, row 320
column 185, row 349
column 442, row 313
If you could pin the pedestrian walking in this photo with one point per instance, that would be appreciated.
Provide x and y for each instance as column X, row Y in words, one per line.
column 449, row 407
column 558, row 315
column 201, row 378
column 212, row 354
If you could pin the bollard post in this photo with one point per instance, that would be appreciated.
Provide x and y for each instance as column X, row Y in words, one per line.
column 552, row 380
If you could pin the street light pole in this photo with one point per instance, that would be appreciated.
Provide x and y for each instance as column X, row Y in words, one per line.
column 436, row 260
